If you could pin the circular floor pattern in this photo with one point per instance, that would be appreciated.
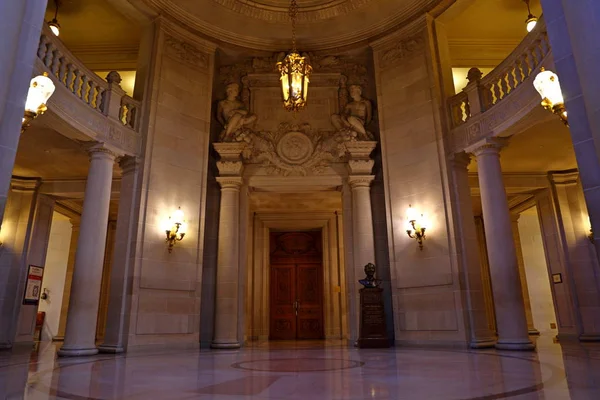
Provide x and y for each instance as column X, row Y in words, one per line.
column 295, row 374
column 297, row 364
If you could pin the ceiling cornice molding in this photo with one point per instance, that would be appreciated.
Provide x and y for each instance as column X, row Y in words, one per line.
column 359, row 36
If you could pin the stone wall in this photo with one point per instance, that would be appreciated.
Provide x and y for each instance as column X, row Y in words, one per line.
column 425, row 284
column 166, row 291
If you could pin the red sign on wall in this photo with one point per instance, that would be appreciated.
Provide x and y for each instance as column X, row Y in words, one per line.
column 33, row 287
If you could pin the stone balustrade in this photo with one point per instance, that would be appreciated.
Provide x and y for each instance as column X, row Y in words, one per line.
column 506, row 92
column 96, row 107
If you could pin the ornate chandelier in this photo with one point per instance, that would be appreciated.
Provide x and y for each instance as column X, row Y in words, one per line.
column 294, row 70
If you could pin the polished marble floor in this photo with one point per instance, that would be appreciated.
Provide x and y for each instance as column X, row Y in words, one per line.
column 310, row 371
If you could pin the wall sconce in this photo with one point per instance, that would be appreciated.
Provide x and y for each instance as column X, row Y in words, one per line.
column 416, row 226
column 175, row 229
column 590, row 235
column 548, row 86
column 40, row 90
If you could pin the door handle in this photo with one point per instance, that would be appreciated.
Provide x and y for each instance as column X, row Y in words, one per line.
column 296, row 305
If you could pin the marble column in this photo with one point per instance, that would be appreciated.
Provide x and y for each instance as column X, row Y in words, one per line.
column 478, row 326
column 226, row 293
column 15, row 237
column 522, row 276
column 64, row 308
column 506, row 284
column 360, row 166
column 20, row 32
column 226, row 325
column 80, row 332
column 576, row 59
column 119, row 303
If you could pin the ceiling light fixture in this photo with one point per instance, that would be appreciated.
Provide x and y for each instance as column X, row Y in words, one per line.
column 294, row 70
column 531, row 20
column 54, row 25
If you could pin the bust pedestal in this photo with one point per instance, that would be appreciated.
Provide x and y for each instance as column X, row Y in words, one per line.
column 372, row 333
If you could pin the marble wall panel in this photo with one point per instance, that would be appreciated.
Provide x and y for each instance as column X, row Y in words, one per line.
column 167, row 286
column 424, row 282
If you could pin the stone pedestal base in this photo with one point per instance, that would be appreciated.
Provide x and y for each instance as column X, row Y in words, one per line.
column 67, row 352
column 110, row 349
column 590, row 337
column 482, row 343
column 515, row 345
column 225, row 345
column 372, row 332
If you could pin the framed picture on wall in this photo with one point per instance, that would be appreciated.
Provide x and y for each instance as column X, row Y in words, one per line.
column 33, row 286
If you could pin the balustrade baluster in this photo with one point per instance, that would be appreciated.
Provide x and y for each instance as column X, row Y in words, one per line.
column 56, row 62
column 503, row 85
column 62, row 72
column 512, row 81
column 77, row 83
column 545, row 44
column 84, row 88
column 42, row 47
column 70, row 81
column 100, row 99
column 49, row 55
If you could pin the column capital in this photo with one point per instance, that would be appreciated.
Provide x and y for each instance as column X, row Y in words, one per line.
column 230, row 151
column 21, row 184
column 360, row 166
column 570, row 177
column 358, row 181
column 99, row 149
column 460, row 160
column 230, row 168
column 487, row 146
column 128, row 164
column 230, row 182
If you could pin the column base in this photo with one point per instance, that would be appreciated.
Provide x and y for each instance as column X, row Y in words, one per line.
column 520, row 345
column 111, row 349
column 76, row 352
column 484, row 343
column 533, row 332
column 590, row 337
column 225, row 345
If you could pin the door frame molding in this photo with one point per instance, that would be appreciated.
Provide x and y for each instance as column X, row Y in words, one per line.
column 256, row 307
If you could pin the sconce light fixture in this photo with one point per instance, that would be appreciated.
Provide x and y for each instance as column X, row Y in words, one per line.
column 175, row 229
column 416, row 226
column 531, row 20
column 548, row 86
column 590, row 235
column 40, row 90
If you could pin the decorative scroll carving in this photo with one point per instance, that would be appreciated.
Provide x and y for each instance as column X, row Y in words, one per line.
column 186, row 52
column 402, row 49
column 293, row 149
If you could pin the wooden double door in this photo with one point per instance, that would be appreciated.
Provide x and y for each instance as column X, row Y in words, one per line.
column 296, row 286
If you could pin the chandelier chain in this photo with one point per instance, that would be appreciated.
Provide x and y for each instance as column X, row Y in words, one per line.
column 293, row 14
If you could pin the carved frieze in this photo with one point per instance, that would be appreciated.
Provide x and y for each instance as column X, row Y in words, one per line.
column 401, row 50
column 186, row 52
column 293, row 149
column 508, row 112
